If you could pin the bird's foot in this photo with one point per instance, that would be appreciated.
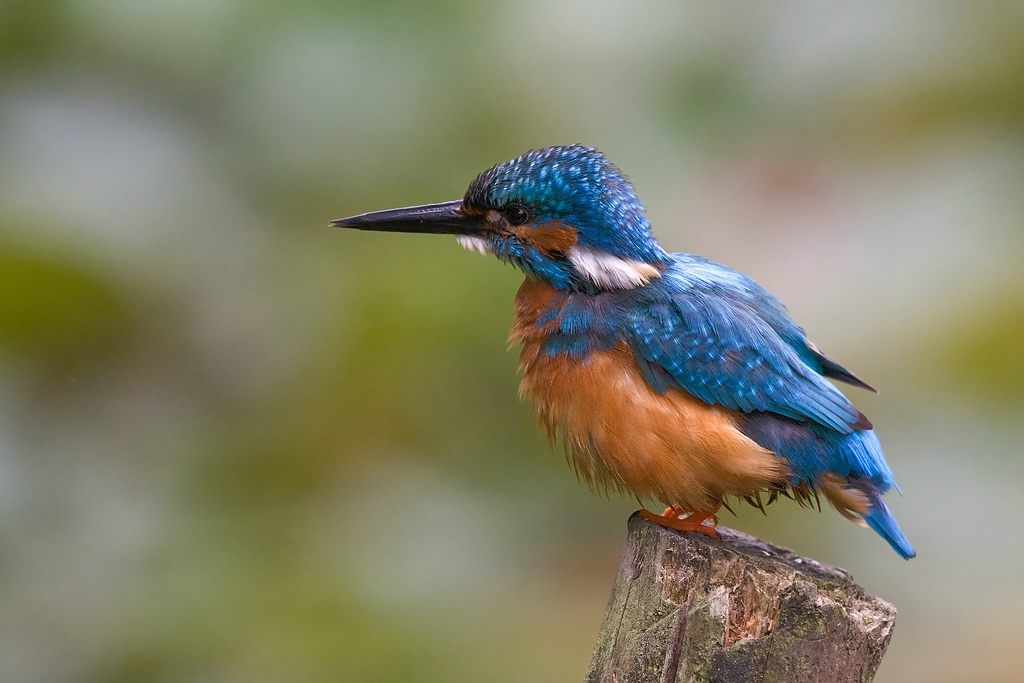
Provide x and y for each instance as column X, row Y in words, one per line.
column 675, row 517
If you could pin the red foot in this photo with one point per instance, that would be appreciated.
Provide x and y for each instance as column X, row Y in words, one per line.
column 693, row 522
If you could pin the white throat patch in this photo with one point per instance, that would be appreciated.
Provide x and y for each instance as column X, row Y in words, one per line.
column 474, row 243
column 609, row 271
column 605, row 270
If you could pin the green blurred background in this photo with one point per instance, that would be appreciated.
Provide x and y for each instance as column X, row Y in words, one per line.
column 237, row 445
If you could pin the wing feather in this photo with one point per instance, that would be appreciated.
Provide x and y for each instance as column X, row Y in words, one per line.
column 715, row 334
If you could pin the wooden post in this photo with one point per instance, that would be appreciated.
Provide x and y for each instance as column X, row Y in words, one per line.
column 686, row 608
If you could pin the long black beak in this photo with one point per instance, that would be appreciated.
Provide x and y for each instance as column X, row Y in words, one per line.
column 445, row 218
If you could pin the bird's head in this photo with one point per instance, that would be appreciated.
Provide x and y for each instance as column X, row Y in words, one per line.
column 561, row 214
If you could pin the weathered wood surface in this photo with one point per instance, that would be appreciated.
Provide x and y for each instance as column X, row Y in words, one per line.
column 686, row 608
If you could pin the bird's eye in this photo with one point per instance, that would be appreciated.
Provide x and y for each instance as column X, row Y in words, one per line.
column 516, row 215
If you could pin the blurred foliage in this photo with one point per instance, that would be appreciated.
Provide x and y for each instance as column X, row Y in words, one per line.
column 30, row 29
column 984, row 353
column 59, row 314
column 411, row 361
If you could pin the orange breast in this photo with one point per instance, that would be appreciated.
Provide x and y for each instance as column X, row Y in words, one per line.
column 620, row 434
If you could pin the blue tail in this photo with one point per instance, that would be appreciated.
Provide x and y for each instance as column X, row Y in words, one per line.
column 812, row 451
column 881, row 520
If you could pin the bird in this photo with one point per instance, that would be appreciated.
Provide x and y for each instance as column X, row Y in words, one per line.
column 665, row 376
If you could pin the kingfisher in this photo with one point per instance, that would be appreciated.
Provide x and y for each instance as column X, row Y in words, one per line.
column 665, row 376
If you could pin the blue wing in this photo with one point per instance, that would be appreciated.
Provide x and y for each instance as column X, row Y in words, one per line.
column 716, row 334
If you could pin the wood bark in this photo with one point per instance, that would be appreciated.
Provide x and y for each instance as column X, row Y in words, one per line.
column 686, row 608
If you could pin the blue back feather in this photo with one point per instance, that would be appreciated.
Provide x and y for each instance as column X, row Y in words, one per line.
column 715, row 334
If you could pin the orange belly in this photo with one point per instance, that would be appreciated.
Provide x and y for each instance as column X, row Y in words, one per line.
column 620, row 434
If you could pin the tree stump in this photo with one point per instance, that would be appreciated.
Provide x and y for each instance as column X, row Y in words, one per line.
column 686, row 608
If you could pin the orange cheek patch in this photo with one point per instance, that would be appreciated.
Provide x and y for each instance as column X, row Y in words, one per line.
column 471, row 212
column 549, row 238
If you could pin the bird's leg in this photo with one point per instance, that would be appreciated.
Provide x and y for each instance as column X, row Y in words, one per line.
column 674, row 511
column 693, row 522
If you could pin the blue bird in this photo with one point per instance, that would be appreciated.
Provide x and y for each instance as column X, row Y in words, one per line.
column 665, row 376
